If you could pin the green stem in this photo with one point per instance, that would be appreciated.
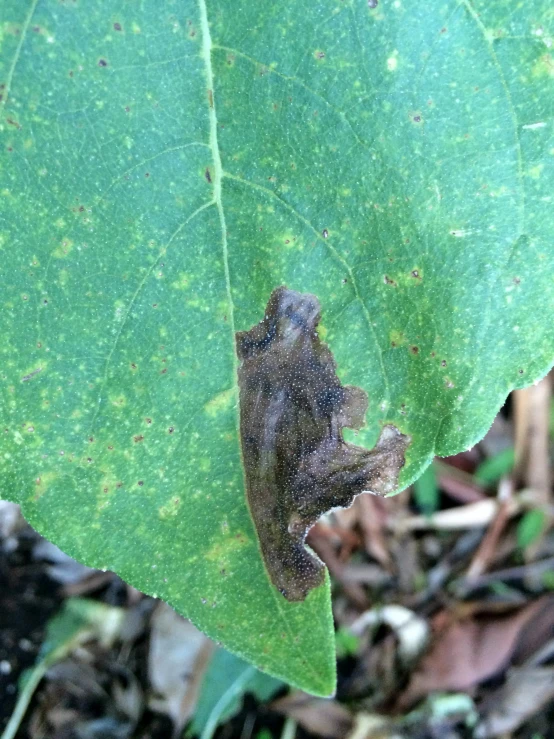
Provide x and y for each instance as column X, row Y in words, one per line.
column 23, row 700
column 234, row 690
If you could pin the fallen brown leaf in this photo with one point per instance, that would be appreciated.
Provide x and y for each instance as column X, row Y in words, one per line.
column 466, row 651
column 179, row 655
column 326, row 718
column 525, row 692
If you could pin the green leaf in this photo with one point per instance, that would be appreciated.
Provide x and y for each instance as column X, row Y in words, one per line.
column 347, row 643
column 225, row 684
column 426, row 491
column 530, row 527
column 547, row 579
column 495, row 467
column 164, row 167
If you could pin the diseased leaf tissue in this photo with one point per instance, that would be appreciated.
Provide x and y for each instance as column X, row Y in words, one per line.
column 292, row 412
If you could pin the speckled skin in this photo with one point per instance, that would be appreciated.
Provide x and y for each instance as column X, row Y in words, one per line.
column 298, row 466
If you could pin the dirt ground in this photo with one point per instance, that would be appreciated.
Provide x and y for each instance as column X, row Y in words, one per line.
column 443, row 599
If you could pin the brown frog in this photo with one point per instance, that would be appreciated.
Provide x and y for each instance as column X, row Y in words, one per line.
column 293, row 408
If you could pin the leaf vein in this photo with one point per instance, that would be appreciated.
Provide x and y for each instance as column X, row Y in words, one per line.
column 133, row 301
column 13, row 65
column 479, row 23
column 300, row 83
column 337, row 255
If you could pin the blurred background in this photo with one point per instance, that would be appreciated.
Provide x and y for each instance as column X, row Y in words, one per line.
column 443, row 599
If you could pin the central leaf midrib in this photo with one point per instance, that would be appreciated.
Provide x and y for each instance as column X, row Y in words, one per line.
column 218, row 175
column 217, row 166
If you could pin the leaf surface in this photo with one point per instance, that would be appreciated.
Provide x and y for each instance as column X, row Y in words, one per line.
column 164, row 168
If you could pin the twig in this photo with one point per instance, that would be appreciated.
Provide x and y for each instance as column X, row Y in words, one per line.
column 485, row 552
column 531, row 420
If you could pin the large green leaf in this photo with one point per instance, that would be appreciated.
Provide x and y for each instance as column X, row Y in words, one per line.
column 164, row 167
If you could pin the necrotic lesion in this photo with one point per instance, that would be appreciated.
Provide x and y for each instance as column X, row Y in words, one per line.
column 293, row 408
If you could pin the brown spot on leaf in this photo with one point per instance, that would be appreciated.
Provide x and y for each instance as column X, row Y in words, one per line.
column 292, row 412
column 117, row 27
column 138, row 438
column 208, row 175
column 102, row 63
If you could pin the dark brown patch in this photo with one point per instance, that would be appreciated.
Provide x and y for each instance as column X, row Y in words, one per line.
column 292, row 412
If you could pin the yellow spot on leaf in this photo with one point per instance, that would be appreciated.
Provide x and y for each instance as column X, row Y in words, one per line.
column 42, row 483
column 397, row 338
column 220, row 402
column 64, row 248
column 544, row 66
column 224, row 547
column 535, row 172
column 118, row 400
column 170, row 509
column 182, row 282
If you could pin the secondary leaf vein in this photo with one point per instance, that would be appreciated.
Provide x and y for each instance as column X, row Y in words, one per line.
column 17, row 54
column 336, row 254
column 134, row 299
column 300, row 83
